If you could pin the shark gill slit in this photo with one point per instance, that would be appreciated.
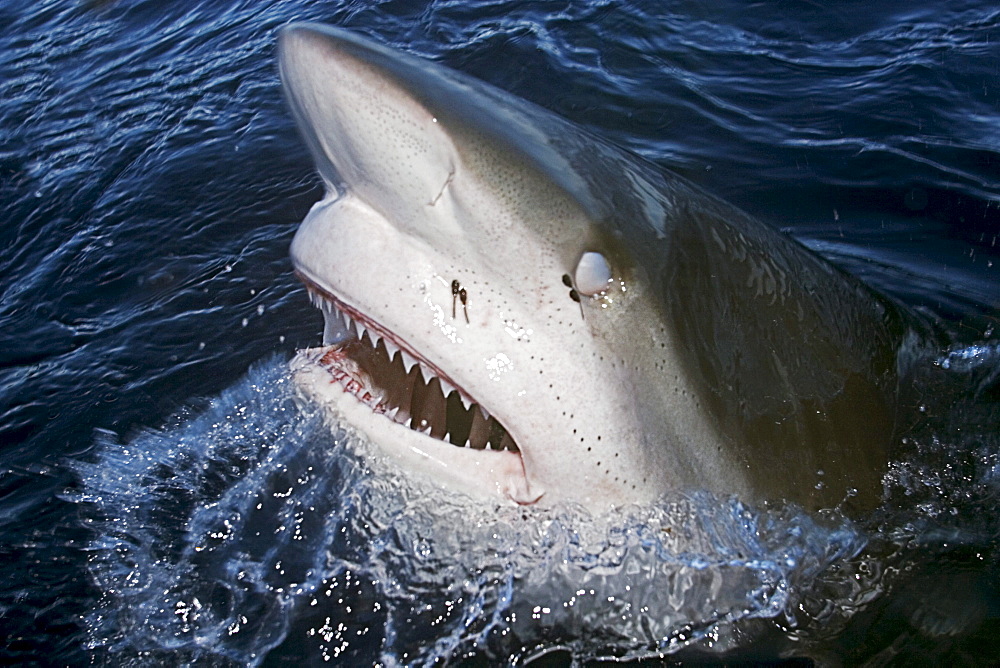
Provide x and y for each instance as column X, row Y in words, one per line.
column 400, row 386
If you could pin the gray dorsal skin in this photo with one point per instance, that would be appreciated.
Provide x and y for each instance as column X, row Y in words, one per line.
column 753, row 366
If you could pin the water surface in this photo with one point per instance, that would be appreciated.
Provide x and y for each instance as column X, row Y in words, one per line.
column 151, row 180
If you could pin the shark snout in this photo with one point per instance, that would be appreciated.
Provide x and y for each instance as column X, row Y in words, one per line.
column 369, row 133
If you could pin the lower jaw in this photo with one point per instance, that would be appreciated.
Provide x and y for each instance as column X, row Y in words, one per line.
column 480, row 474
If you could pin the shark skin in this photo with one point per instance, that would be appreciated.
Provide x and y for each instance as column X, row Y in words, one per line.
column 523, row 311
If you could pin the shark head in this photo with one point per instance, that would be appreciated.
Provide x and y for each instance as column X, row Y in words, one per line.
column 468, row 249
column 497, row 287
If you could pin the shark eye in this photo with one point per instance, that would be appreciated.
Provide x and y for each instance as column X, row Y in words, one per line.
column 592, row 274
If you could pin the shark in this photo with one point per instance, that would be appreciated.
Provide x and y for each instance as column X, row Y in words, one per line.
column 521, row 311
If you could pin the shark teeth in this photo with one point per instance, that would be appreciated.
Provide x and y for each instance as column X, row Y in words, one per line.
column 409, row 393
column 390, row 347
column 409, row 361
column 446, row 387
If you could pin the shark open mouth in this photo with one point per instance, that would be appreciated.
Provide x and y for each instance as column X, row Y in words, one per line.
column 382, row 373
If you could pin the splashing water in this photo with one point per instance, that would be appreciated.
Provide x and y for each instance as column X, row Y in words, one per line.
column 259, row 530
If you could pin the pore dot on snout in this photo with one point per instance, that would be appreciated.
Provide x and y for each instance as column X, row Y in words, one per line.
column 592, row 274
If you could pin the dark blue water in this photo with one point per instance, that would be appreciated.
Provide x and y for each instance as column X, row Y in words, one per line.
column 151, row 180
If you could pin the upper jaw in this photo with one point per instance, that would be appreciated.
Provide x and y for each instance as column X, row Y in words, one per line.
column 421, row 417
column 346, row 320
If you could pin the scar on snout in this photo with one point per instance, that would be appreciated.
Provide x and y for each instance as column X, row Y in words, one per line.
column 447, row 181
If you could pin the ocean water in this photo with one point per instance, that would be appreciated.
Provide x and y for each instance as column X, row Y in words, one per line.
column 165, row 497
